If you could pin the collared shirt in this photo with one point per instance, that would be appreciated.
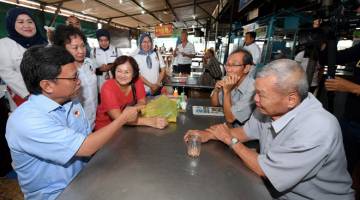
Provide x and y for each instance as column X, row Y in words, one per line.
column 150, row 74
column 104, row 57
column 302, row 153
column 44, row 137
column 242, row 99
column 255, row 51
column 100, row 57
column 188, row 49
column 89, row 93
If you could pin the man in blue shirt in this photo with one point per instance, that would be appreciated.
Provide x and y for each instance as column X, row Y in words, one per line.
column 49, row 136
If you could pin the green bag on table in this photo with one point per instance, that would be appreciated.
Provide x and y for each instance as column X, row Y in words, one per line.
column 161, row 107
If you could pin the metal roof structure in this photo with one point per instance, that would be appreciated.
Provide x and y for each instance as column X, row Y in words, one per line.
column 141, row 14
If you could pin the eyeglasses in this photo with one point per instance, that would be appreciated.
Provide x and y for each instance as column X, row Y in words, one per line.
column 231, row 65
column 73, row 79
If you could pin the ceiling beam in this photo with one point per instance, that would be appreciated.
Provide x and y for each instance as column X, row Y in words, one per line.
column 199, row 18
column 146, row 10
column 115, row 23
column 186, row 5
column 122, row 25
column 52, row 21
column 166, row 9
column 115, row 17
column 56, row 2
column 197, row 21
column 104, row 4
column 172, row 10
column 205, row 11
column 196, row 3
column 102, row 19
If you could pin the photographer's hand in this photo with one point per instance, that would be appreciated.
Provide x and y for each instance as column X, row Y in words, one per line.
column 342, row 85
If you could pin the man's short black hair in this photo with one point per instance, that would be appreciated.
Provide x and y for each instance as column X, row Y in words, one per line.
column 43, row 63
column 252, row 34
column 63, row 34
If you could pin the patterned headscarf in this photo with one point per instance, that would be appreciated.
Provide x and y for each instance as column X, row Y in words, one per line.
column 148, row 53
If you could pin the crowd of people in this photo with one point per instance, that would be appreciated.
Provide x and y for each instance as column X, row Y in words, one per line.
column 71, row 100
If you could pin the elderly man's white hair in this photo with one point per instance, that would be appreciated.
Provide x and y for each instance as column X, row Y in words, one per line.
column 289, row 76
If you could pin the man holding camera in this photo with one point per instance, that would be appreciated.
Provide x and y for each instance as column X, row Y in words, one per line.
column 350, row 122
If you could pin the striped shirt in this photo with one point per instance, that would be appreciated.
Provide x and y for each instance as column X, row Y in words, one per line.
column 213, row 66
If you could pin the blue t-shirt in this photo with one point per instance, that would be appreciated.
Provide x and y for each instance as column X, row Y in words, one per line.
column 44, row 137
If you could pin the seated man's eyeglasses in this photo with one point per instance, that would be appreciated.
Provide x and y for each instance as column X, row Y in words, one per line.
column 73, row 79
column 233, row 65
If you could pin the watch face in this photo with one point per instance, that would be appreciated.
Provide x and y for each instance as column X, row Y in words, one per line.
column 234, row 140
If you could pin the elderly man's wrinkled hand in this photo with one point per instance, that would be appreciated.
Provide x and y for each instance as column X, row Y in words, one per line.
column 204, row 135
column 219, row 84
column 221, row 132
column 230, row 82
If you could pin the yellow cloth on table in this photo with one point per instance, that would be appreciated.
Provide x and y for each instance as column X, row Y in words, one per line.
column 161, row 107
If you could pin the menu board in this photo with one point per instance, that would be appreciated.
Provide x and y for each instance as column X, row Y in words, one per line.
column 165, row 30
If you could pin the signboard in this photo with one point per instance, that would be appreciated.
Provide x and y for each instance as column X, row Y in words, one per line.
column 253, row 14
column 165, row 30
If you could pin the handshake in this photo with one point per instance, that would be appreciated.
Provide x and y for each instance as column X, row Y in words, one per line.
column 131, row 112
column 131, row 115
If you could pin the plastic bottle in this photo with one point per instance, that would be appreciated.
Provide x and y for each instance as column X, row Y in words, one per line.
column 176, row 93
column 182, row 101
column 182, row 96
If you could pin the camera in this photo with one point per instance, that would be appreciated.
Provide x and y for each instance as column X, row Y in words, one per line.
column 338, row 19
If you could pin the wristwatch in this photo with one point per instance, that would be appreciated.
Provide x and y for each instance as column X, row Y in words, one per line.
column 234, row 141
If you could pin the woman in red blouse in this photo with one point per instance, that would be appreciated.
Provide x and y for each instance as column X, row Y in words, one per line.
column 125, row 89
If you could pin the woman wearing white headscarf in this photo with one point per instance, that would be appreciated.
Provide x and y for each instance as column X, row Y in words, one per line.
column 151, row 64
